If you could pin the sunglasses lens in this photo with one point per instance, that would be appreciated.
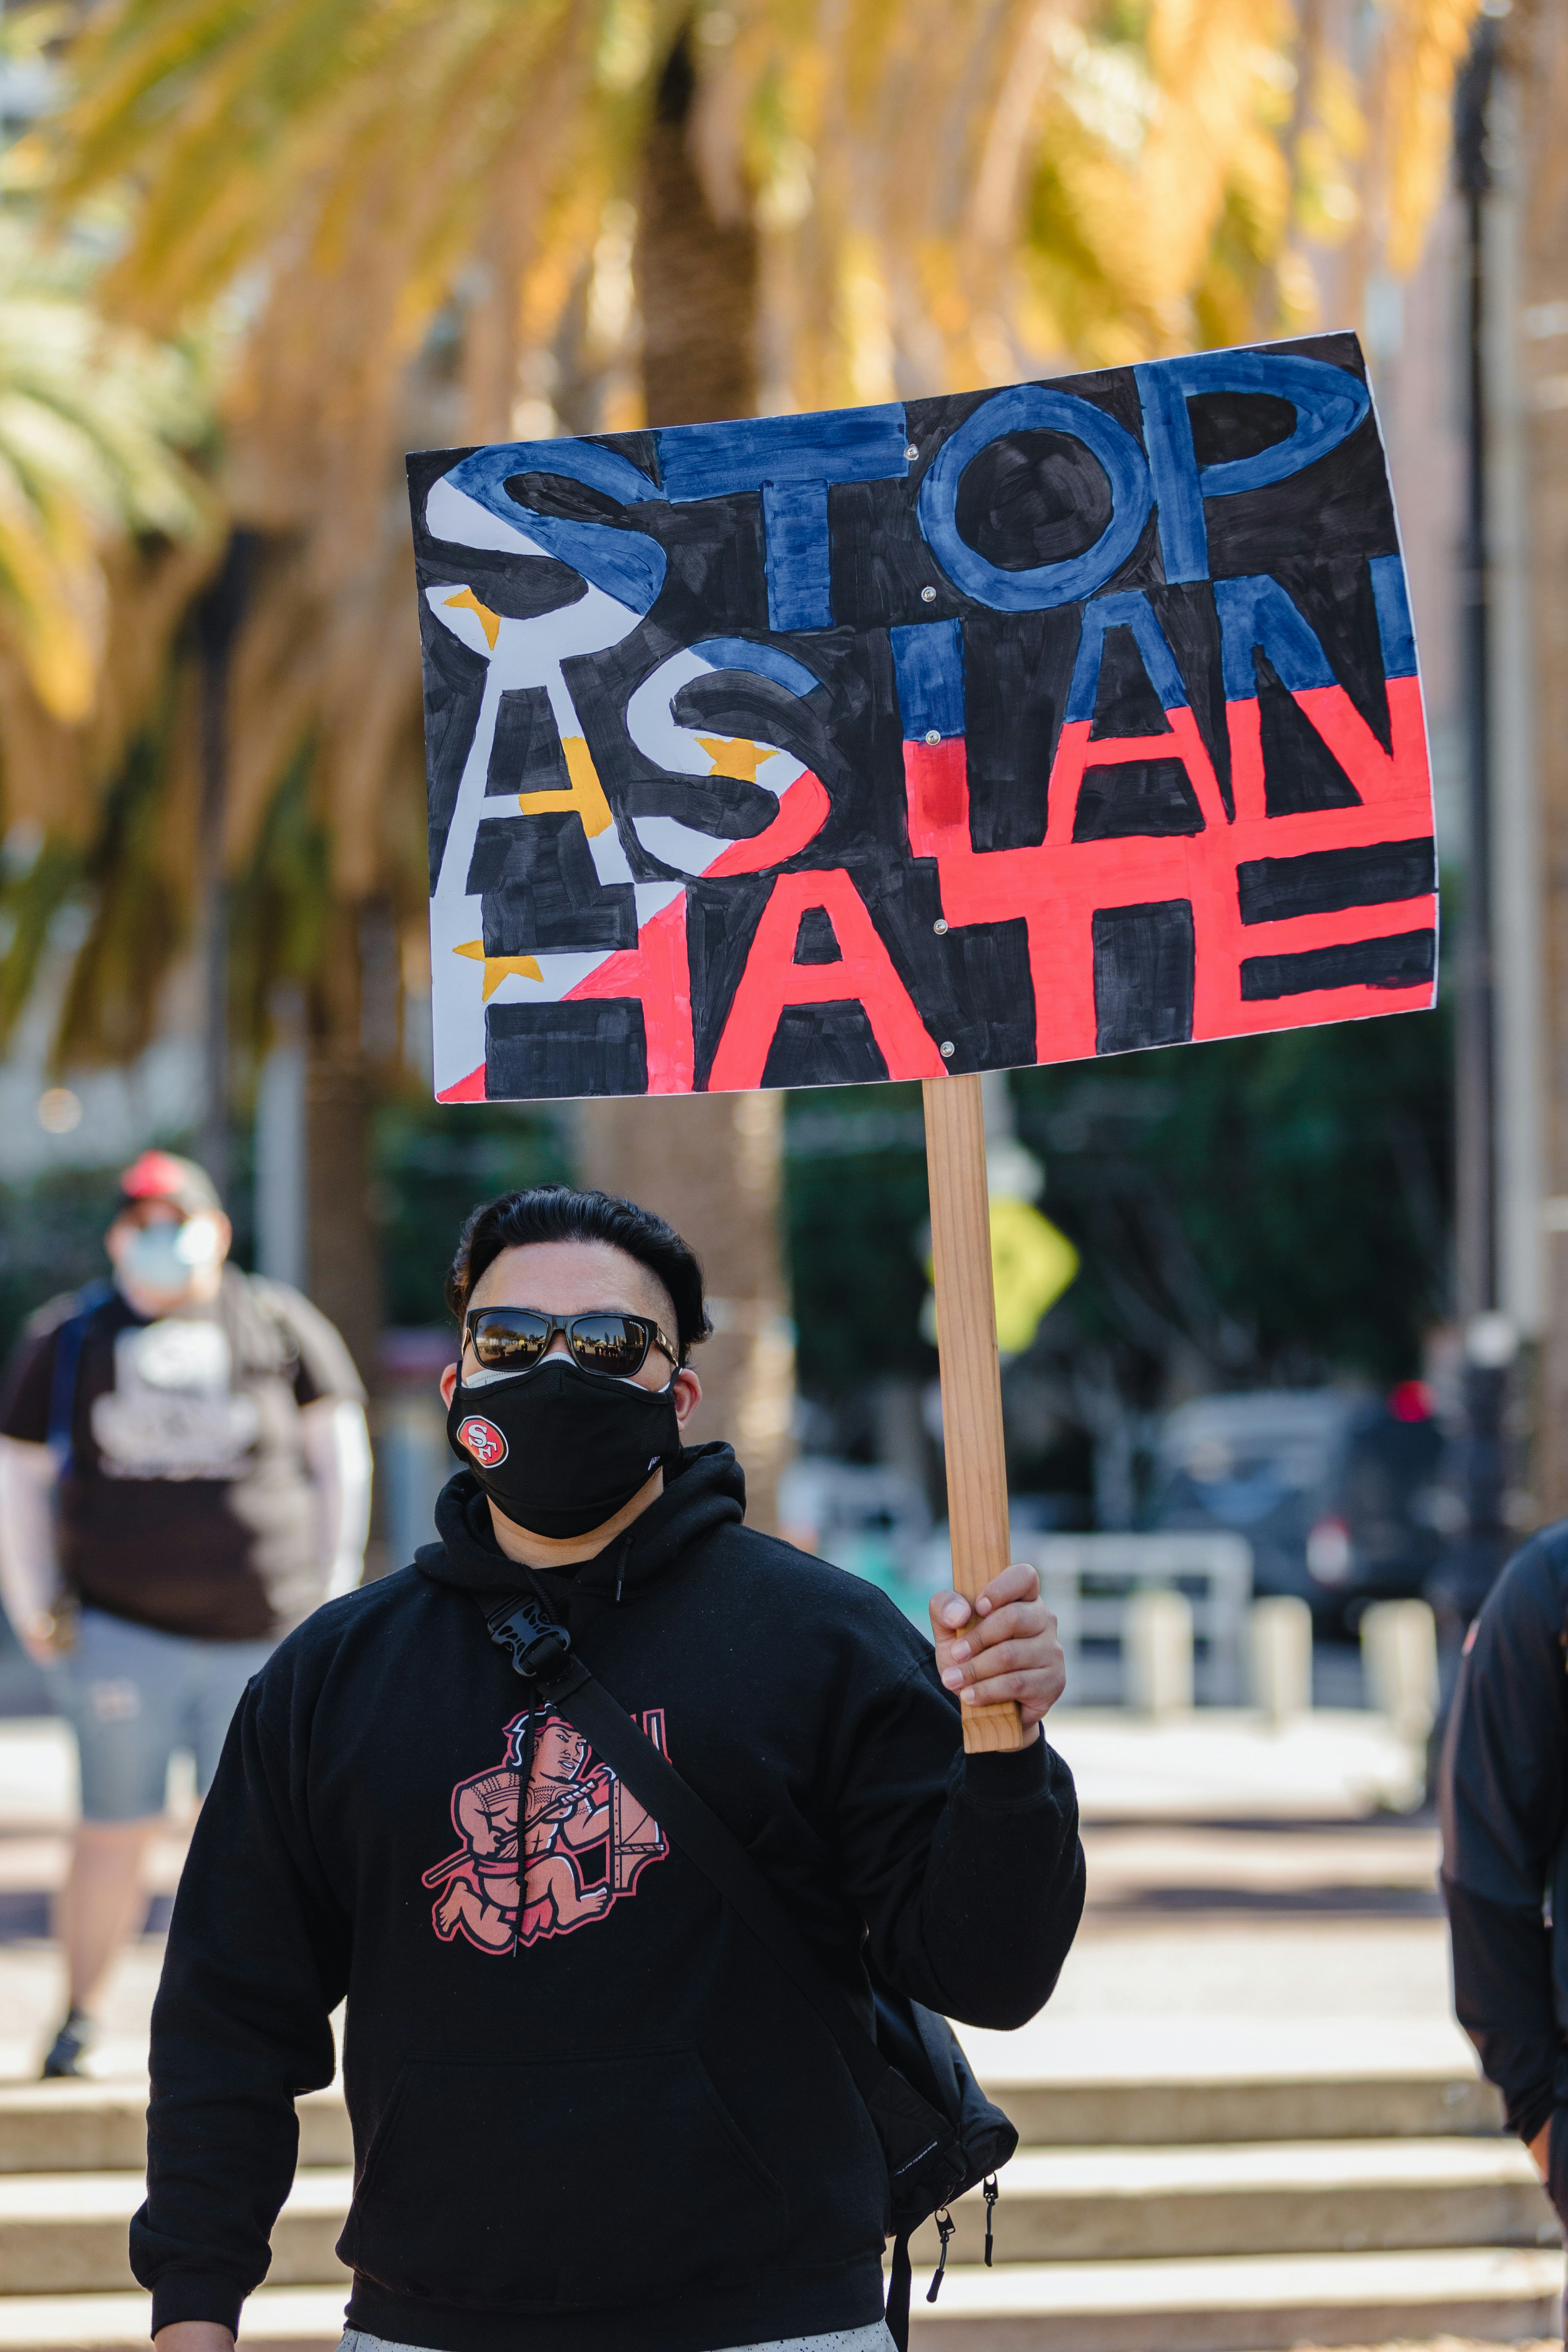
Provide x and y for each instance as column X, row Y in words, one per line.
column 607, row 1343
column 508, row 1340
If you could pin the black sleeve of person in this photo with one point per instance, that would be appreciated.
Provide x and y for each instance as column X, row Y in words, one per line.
column 1004, row 1886
column 1504, row 1796
column 968, row 1872
column 1502, row 1994
column 256, row 1961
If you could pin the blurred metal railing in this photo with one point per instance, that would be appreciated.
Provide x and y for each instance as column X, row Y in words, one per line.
column 1090, row 1581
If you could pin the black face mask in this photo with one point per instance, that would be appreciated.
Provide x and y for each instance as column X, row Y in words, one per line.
column 558, row 1450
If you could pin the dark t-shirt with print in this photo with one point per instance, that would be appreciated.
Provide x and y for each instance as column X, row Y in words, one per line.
column 186, row 1505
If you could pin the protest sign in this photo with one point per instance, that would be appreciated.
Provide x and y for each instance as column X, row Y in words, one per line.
column 927, row 739
column 1004, row 727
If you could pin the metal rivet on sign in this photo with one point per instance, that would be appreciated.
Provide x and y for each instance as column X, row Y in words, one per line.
column 932, row 736
column 947, row 1049
column 927, row 595
column 911, row 453
column 940, row 927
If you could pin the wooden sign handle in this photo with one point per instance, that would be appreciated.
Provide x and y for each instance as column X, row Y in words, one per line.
column 971, row 1373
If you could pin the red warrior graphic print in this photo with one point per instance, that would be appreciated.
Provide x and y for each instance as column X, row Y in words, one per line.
column 585, row 1840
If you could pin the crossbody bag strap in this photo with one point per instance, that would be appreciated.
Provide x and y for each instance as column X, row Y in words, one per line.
column 541, row 1649
column 68, row 1337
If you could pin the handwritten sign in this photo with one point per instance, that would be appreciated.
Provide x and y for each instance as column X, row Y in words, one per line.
column 1011, row 727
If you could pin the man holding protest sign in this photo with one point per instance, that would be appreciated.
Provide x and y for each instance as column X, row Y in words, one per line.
column 643, row 2128
column 907, row 741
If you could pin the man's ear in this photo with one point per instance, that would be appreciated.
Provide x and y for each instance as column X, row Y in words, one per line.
column 448, row 1383
column 688, row 1395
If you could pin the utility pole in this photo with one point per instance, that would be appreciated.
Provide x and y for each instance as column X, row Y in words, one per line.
column 1475, row 1075
column 1490, row 1340
column 218, row 617
column 1538, row 44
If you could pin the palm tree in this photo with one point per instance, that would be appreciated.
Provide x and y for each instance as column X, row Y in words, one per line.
column 440, row 221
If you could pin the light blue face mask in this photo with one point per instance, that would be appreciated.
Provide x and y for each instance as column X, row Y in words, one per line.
column 168, row 1257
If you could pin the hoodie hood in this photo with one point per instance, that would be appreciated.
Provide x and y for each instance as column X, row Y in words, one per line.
column 705, row 1489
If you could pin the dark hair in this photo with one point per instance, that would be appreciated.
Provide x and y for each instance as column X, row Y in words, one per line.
column 554, row 1213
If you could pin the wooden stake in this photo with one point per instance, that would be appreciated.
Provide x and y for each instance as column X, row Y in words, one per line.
column 971, row 1374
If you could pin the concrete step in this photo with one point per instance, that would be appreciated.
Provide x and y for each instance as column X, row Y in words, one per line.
column 91, row 2127
column 65, row 2231
column 1091, row 2204
column 1179, row 2111
column 1249, row 2304
column 87, row 2127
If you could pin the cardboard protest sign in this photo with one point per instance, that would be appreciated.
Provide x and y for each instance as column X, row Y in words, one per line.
column 949, row 736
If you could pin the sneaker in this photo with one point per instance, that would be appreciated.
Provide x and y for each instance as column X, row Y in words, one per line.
column 68, row 2048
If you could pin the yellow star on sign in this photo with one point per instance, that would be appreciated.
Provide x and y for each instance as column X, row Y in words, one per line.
column 498, row 967
column 735, row 755
column 465, row 601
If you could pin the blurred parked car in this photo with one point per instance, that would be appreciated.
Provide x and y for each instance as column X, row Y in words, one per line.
column 1336, row 1491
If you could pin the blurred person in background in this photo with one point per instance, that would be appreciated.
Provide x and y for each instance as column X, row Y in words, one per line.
column 185, row 1473
column 1504, row 1797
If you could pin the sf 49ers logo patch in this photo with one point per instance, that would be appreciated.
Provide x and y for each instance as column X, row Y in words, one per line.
column 482, row 1439
column 574, row 1847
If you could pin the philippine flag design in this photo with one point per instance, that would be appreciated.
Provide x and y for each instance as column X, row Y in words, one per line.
column 1030, row 724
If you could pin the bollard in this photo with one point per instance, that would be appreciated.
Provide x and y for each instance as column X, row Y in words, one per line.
column 1157, row 1653
column 1399, row 1661
column 1279, row 1657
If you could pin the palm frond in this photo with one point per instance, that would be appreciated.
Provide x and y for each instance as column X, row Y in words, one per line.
column 92, row 421
column 412, row 219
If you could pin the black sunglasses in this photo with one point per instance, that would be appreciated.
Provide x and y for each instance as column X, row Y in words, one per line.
column 515, row 1339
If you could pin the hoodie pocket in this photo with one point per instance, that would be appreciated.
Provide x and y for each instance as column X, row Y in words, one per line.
column 581, row 2185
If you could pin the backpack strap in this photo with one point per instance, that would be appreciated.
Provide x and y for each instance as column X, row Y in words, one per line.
column 911, row 2131
column 68, row 1337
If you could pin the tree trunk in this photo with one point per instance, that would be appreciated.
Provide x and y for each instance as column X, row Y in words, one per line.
column 342, row 1252
column 1537, row 50
column 696, row 276
column 345, row 1262
column 711, row 1163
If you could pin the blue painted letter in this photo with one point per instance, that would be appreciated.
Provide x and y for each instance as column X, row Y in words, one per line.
column 624, row 563
column 791, row 460
column 1029, row 408
column 1329, row 402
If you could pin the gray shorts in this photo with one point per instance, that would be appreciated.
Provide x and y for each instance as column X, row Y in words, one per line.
column 134, row 1696
column 874, row 2338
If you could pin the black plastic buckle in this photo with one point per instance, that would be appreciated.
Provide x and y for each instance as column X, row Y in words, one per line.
column 546, row 1656
column 539, row 1651
column 521, row 1633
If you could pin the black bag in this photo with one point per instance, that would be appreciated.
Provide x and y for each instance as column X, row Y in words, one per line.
column 940, row 2135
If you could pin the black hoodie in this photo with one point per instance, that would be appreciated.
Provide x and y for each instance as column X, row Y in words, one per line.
column 623, row 2115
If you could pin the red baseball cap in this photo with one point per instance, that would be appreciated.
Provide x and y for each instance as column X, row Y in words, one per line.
column 164, row 1176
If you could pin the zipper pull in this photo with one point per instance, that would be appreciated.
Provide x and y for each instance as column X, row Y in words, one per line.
column 991, row 2194
column 946, row 2226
